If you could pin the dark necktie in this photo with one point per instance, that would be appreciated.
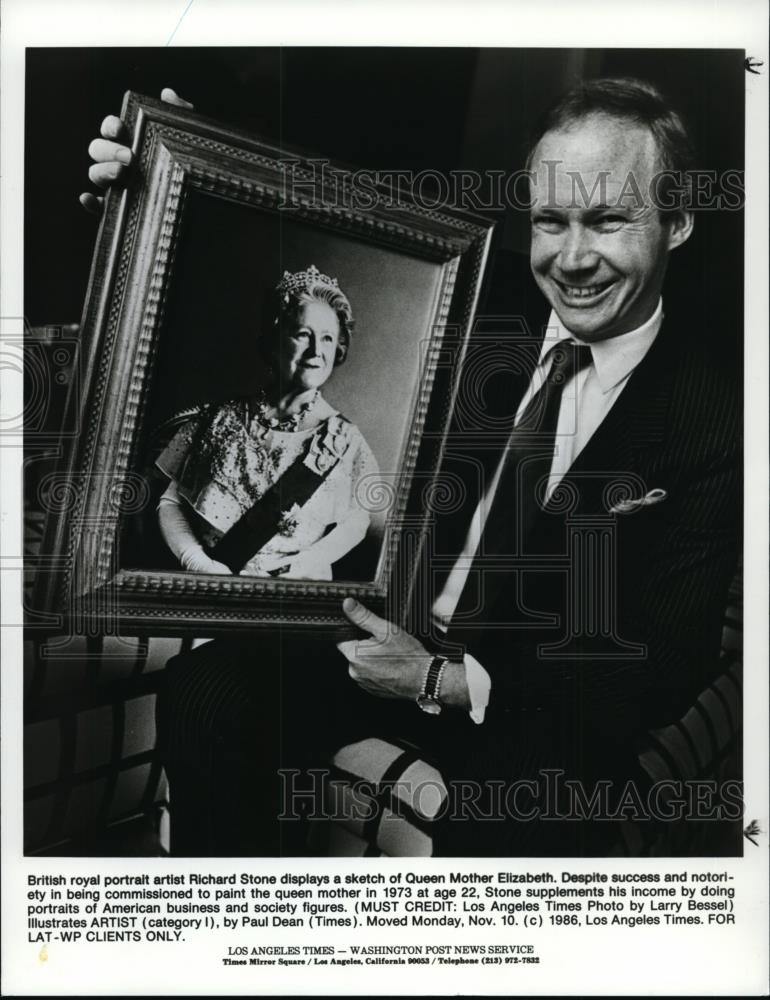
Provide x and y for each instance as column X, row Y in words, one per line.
column 521, row 490
column 542, row 412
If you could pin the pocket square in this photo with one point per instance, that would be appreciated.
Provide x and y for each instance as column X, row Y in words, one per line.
column 635, row 503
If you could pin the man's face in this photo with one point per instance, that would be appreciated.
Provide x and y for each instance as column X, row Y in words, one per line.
column 599, row 244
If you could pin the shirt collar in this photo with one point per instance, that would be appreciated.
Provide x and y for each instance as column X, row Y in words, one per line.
column 615, row 358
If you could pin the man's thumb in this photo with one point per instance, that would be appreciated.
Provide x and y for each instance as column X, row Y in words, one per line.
column 364, row 618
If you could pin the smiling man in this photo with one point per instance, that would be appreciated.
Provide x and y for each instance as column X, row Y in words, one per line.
column 599, row 243
column 588, row 593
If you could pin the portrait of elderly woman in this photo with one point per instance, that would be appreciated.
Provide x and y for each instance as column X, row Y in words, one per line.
column 266, row 485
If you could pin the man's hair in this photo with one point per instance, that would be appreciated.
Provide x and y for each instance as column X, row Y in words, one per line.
column 627, row 99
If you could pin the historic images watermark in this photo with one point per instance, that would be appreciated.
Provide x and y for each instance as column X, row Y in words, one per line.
column 317, row 795
column 315, row 182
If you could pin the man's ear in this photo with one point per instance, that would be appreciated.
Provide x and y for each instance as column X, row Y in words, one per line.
column 680, row 227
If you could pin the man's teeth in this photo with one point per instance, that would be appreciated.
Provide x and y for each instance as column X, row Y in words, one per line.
column 579, row 292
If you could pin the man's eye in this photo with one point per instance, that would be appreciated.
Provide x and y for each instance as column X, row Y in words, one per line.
column 610, row 221
column 547, row 224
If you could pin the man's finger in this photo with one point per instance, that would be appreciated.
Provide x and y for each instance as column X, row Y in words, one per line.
column 366, row 619
column 171, row 97
column 113, row 128
column 106, row 151
column 91, row 203
column 105, row 174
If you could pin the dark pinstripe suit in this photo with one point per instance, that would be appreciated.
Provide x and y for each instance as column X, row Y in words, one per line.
column 582, row 706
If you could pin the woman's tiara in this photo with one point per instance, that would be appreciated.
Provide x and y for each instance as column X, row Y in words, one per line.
column 303, row 281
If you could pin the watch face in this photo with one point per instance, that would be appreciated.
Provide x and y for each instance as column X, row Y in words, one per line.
column 429, row 705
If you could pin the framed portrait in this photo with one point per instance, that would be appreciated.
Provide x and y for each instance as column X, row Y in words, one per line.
column 191, row 315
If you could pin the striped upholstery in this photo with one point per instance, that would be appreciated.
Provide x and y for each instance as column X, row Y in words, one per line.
column 89, row 703
column 89, row 737
column 89, row 729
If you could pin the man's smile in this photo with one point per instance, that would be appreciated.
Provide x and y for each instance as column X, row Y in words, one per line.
column 583, row 295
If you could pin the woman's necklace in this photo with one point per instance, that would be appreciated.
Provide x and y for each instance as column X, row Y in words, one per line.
column 265, row 423
column 287, row 423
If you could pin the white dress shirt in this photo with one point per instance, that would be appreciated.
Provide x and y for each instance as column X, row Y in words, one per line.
column 586, row 400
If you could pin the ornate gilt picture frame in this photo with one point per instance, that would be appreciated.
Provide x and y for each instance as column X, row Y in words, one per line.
column 210, row 217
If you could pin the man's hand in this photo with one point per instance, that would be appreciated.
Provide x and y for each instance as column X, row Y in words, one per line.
column 392, row 663
column 112, row 156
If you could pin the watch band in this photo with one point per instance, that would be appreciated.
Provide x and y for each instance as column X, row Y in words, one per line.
column 428, row 699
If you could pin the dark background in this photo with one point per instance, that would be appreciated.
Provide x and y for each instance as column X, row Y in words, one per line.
column 416, row 108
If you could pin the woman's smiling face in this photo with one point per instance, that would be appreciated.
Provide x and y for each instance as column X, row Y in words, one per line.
column 308, row 347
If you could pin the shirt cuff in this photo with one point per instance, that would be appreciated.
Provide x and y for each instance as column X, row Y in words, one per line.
column 479, row 686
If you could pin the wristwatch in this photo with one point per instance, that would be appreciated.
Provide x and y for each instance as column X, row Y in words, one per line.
column 428, row 698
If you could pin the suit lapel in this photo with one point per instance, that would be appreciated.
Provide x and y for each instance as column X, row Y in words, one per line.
column 635, row 424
